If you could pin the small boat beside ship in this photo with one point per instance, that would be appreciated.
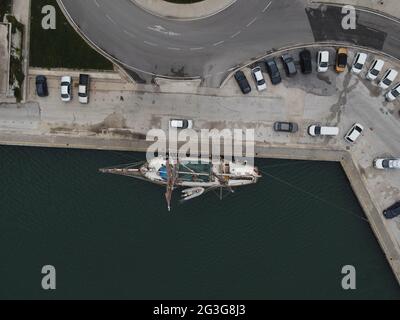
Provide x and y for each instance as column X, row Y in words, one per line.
column 191, row 193
column 196, row 175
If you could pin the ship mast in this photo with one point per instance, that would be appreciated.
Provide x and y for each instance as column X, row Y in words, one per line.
column 171, row 180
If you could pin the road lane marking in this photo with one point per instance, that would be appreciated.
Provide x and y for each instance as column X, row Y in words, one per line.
column 198, row 48
column 129, row 34
column 235, row 34
column 218, row 43
column 251, row 22
column 96, row 3
column 150, row 43
column 172, row 48
column 267, row 7
column 109, row 18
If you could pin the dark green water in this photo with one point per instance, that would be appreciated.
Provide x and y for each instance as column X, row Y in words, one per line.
column 111, row 237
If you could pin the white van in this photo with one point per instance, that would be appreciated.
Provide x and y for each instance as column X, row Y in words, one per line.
column 317, row 130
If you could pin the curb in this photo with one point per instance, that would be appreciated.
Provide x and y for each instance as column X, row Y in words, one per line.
column 167, row 10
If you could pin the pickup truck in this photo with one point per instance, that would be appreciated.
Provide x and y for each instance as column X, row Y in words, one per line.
column 84, row 85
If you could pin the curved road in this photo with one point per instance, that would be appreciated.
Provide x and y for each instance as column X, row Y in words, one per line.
column 211, row 47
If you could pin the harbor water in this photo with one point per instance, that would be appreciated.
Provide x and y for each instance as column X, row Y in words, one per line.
column 111, row 237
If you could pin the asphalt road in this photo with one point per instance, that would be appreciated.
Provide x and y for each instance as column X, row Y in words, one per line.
column 211, row 47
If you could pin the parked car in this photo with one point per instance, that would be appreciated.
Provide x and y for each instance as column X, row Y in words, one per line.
column 388, row 78
column 286, row 127
column 259, row 79
column 84, row 85
column 354, row 133
column 242, row 81
column 289, row 65
column 305, row 61
column 66, row 88
column 375, row 69
column 394, row 93
column 387, row 163
column 273, row 71
column 323, row 61
column 181, row 124
column 359, row 62
column 317, row 130
column 393, row 211
column 341, row 59
column 41, row 86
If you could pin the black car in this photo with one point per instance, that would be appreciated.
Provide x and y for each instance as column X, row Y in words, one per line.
column 242, row 81
column 305, row 61
column 393, row 211
column 41, row 86
column 290, row 67
column 273, row 71
column 286, row 127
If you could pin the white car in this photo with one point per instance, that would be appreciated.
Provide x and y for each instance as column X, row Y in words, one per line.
column 323, row 61
column 387, row 164
column 259, row 78
column 394, row 93
column 317, row 130
column 388, row 78
column 375, row 69
column 181, row 124
column 354, row 133
column 66, row 88
column 359, row 62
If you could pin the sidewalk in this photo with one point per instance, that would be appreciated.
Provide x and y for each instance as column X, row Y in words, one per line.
column 388, row 7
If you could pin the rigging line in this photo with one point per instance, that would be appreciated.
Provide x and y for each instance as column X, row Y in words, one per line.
column 284, row 164
column 314, row 196
column 125, row 154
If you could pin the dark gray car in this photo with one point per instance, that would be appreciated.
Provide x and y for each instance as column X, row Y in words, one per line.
column 286, row 127
column 393, row 211
column 290, row 67
column 273, row 71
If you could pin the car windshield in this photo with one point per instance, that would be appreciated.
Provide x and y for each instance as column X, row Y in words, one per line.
column 64, row 96
column 395, row 93
column 318, row 130
column 387, row 81
column 358, row 66
column 82, row 95
column 374, row 72
column 261, row 82
column 342, row 60
column 324, row 64
column 65, row 83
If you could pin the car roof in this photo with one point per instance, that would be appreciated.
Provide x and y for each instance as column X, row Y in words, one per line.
column 379, row 63
column 324, row 54
column 362, row 57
